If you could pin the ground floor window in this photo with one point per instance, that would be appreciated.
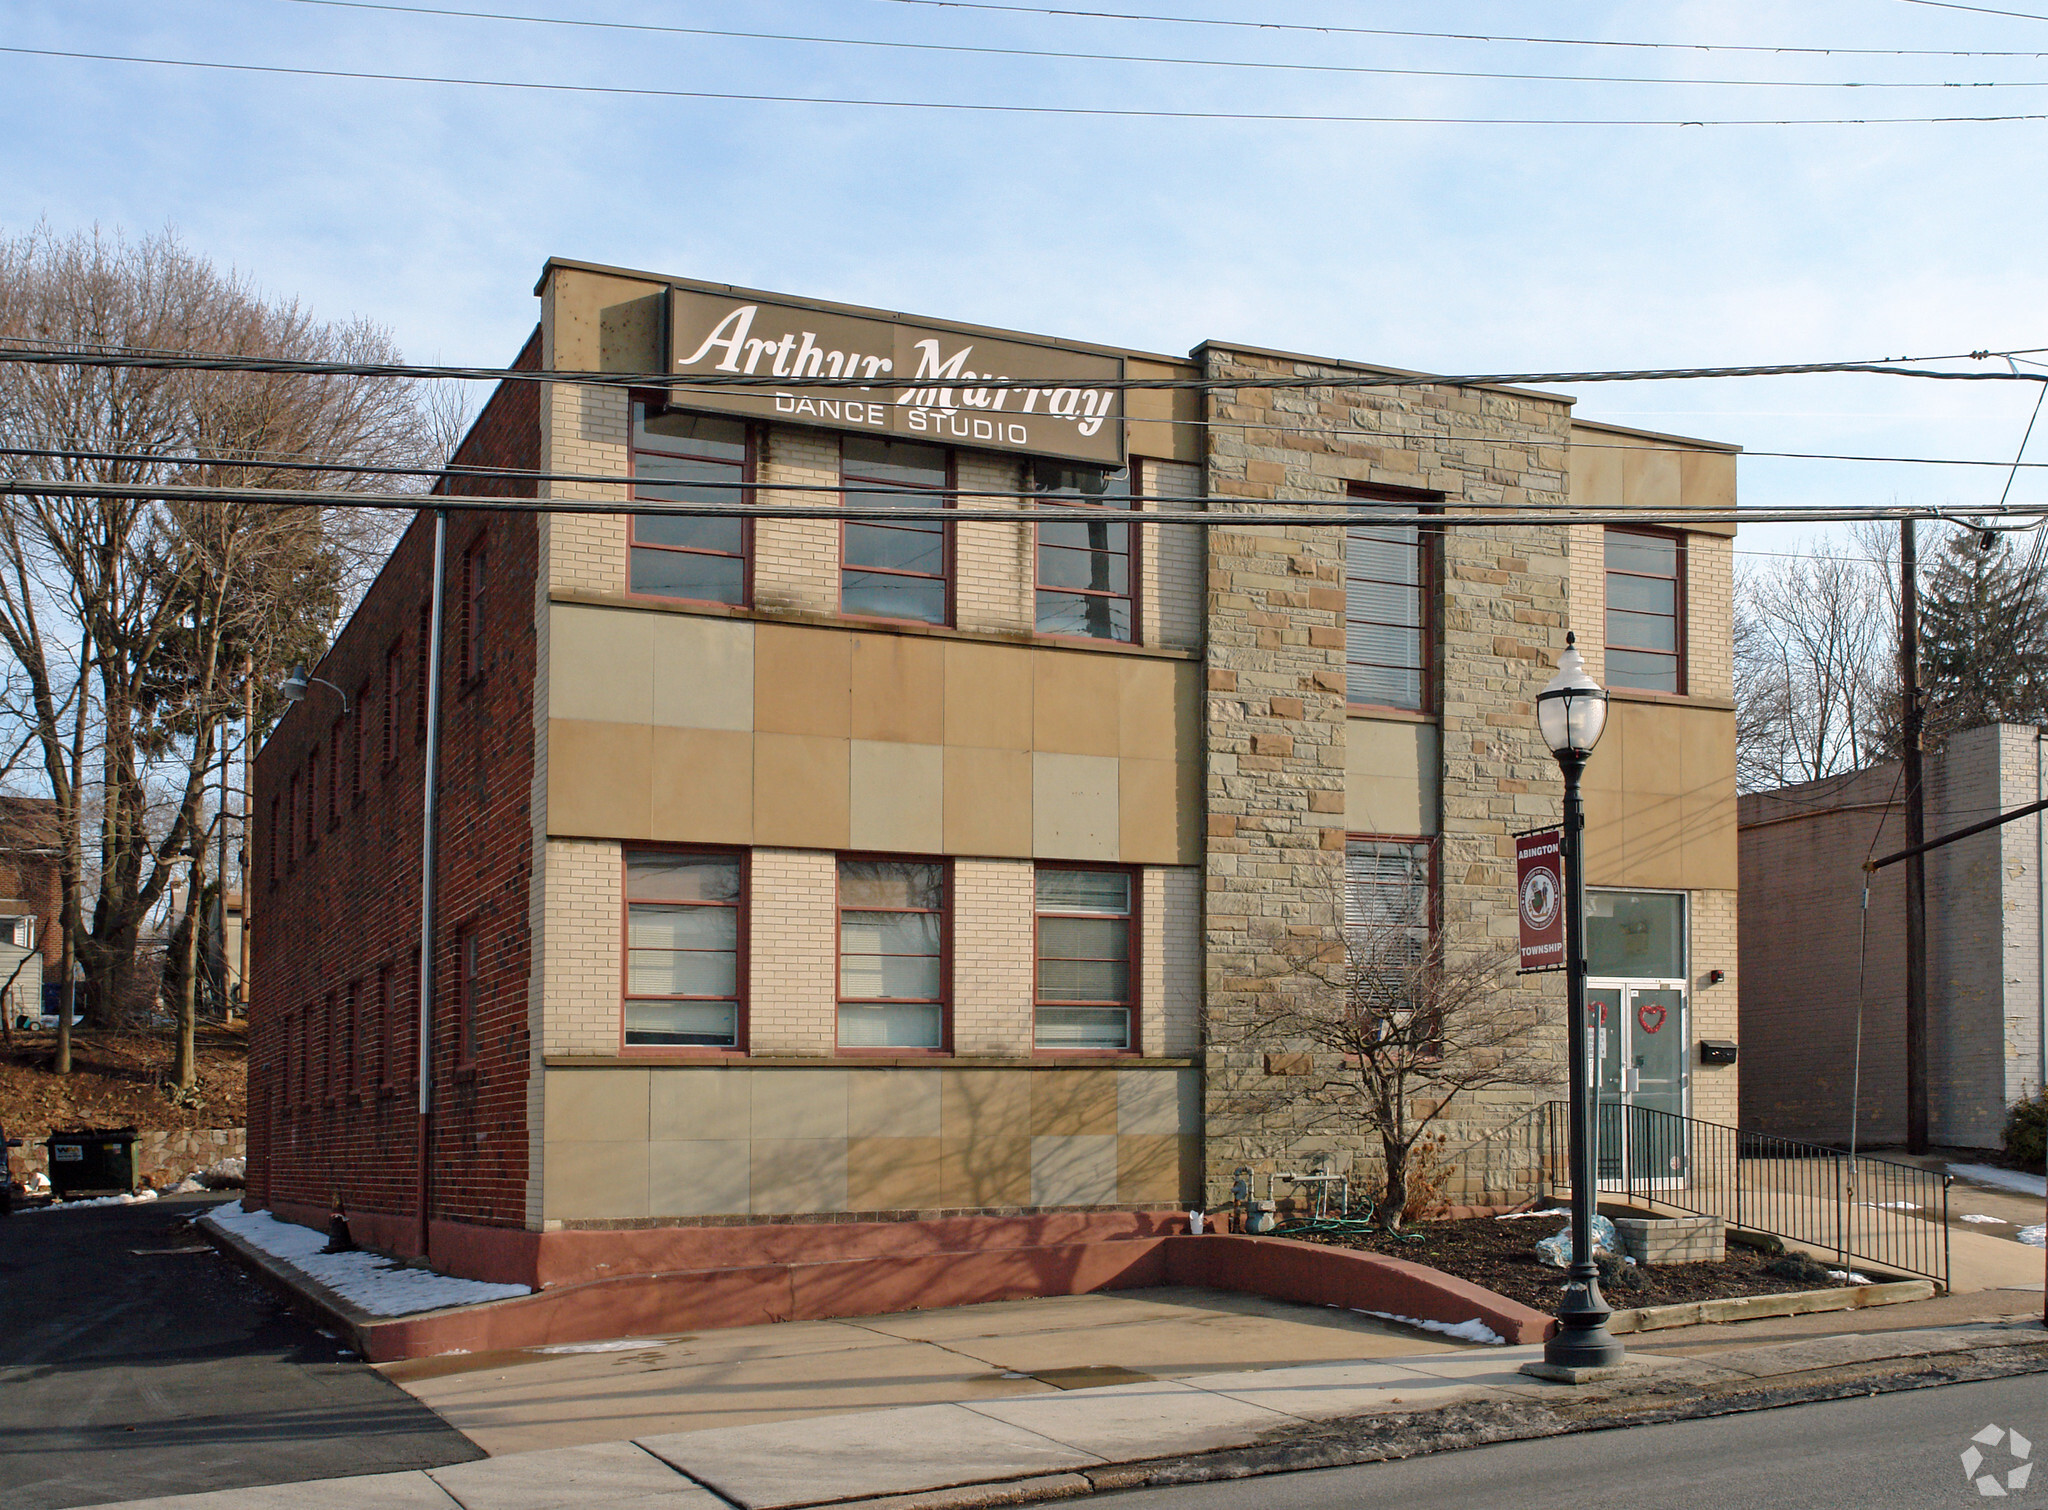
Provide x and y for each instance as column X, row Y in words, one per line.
column 683, row 935
column 892, row 935
column 1084, row 959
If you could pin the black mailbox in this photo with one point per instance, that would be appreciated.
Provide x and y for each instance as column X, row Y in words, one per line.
column 1717, row 1051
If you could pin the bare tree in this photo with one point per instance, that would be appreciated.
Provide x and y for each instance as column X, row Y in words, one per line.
column 1398, row 1027
column 130, row 620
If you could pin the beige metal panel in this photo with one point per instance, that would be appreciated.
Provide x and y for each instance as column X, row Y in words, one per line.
column 988, row 696
column 1391, row 776
column 891, row 1103
column 1164, row 422
column 703, row 671
column 799, row 1103
column 689, row 1105
column 1074, row 812
column 795, row 1176
column 897, row 799
column 898, row 688
column 701, row 787
column 801, row 785
column 988, row 802
column 1075, row 707
column 1660, row 797
column 600, row 778
column 706, row 1177
column 803, row 680
column 606, row 659
column 602, row 322
column 1151, row 812
column 893, row 1174
column 594, row 1181
column 601, row 1106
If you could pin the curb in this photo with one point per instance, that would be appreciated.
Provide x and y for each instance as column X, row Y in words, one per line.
column 1458, row 1426
column 1756, row 1307
column 298, row 1290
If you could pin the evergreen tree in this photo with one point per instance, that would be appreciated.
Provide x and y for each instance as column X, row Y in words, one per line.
column 1983, row 635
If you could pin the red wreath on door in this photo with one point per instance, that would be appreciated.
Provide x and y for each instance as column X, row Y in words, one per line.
column 1651, row 1015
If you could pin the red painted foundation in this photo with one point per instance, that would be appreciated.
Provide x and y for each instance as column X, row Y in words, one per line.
column 661, row 1281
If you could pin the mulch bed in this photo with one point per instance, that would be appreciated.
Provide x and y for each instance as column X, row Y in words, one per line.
column 120, row 1080
column 1501, row 1256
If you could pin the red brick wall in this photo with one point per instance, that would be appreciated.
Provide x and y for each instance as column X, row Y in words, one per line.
column 344, row 909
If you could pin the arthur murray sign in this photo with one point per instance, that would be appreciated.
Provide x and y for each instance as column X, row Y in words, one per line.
column 947, row 387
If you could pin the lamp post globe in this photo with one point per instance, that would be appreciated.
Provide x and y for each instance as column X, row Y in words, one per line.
column 1571, row 714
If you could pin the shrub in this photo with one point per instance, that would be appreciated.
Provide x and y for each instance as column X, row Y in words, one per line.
column 2026, row 1134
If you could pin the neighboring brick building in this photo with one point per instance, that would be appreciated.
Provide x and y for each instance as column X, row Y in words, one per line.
column 865, row 872
column 31, row 901
column 1803, row 849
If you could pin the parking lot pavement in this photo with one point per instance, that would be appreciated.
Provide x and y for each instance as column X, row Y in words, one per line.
column 135, row 1361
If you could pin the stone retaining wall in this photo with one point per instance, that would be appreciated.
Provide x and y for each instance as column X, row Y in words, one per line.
column 162, row 1157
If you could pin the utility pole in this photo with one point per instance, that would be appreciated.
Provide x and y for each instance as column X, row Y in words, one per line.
column 1914, row 718
column 248, row 906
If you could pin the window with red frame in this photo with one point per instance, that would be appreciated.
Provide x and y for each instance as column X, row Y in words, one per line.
column 690, row 458
column 893, row 569
column 1084, row 959
column 1389, row 918
column 468, row 967
column 684, row 923
column 892, row 937
column 1645, row 611
column 1085, row 566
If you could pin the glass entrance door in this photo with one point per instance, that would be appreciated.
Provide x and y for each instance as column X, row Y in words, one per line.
column 1637, row 1031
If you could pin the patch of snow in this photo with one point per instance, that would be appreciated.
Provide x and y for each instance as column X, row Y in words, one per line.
column 1978, row 1216
column 2035, row 1237
column 224, row 1174
column 187, row 1186
column 364, row 1279
column 98, row 1200
column 624, row 1345
column 1850, row 1275
column 1516, row 1216
column 1474, row 1330
column 1891, row 1205
column 2002, row 1179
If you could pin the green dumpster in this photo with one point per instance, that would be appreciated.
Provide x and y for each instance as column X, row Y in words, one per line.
column 92, row 1161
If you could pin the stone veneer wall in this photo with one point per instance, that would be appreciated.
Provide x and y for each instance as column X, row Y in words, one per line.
column 1274, row 720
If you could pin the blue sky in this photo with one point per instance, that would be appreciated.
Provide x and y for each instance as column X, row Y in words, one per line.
column 1445, row 247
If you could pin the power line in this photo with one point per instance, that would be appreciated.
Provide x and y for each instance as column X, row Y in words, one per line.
column 193, row 361
column 896, row 45
column 1982, row 10
column 1451, row 36
column 978, row 107
column 1232, row 512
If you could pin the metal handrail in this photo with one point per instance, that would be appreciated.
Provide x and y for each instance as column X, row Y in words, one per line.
column 1880, row 1212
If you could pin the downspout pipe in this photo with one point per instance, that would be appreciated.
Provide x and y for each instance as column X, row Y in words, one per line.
column 430, row 778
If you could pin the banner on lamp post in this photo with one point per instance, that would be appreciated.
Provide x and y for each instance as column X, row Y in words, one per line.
column 1539, row 898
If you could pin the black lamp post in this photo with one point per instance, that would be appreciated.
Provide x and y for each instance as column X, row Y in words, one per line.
column 1571, row 713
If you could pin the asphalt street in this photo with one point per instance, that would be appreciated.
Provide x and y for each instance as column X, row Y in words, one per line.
column 135, row 1361
column 1898, row 1451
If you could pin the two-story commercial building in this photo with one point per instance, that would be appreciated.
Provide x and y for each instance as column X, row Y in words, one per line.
column 805, row 874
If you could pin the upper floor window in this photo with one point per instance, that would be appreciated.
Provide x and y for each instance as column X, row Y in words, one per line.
column 892, row 934
column 1084, row 959
column 468, row 983
column 1386, row 615
column 394, row 677
column 690, row 458
column 18, row 933
column 683, row 932
column 1645, row 611
column 891, row 569
column 470, row 626
column 1085, row 566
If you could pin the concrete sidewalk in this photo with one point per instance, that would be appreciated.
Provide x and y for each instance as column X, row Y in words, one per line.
column 988, row 1451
